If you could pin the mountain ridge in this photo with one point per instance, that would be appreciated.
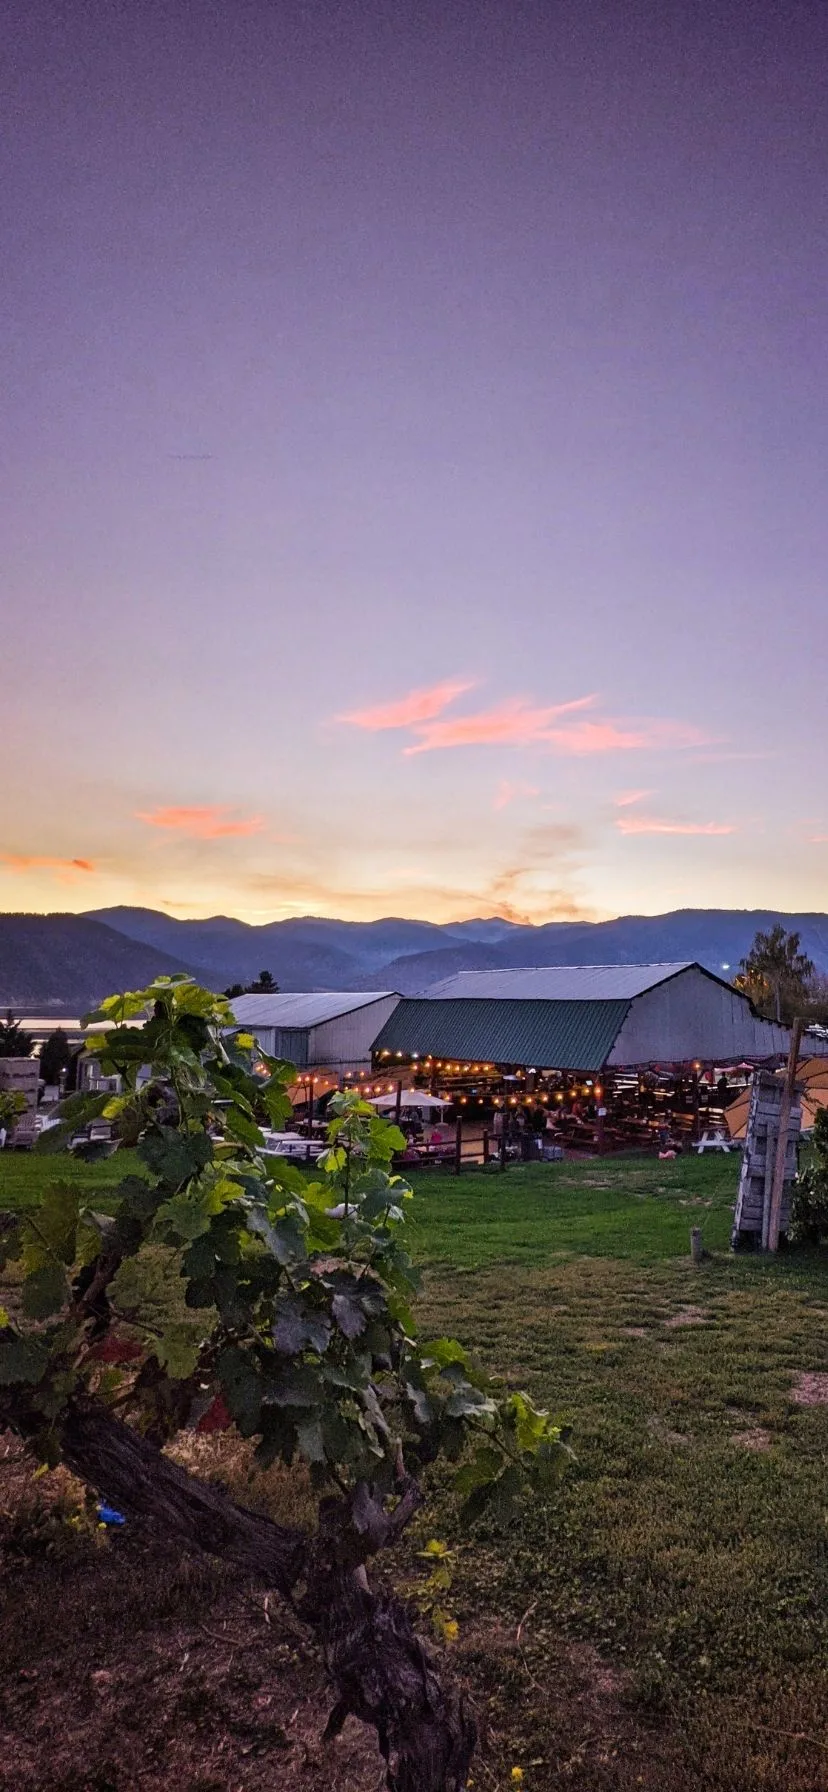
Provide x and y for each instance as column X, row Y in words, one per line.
column 70, row 961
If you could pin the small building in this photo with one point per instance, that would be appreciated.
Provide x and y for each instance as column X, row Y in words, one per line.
column 22, row 1077
column 329, row 1033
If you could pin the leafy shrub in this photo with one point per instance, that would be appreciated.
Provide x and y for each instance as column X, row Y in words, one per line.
column 809, row 1201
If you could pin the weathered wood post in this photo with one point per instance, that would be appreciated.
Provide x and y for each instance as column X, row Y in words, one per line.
column 599, row 1131
column 503, row 1158
column 398, row 1103
column 486, row 1153
column 695, row 1088
column 458, row 1148
column 696, row 1247
column 778, row 1183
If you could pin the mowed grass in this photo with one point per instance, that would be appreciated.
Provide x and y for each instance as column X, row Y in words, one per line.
column 688, row 1543
column 662, row 1620
column 633, row 1207
column 25, row 1174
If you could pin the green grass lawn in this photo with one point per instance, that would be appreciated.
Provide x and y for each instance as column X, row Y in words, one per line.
column 25, row 1174
column 635, row 1208
column 688, row 1545
column 662, row 1622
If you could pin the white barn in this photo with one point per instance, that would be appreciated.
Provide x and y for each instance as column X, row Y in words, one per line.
column 331, row 1030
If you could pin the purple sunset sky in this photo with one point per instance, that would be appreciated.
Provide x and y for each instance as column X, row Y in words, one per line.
column 414, row 452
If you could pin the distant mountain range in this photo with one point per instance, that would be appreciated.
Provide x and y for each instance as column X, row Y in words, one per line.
column 68, row 962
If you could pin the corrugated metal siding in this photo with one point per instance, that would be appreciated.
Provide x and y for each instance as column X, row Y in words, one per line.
column 695, row 1017
column 548, row 1035
column 348, row 1040
column 557, row 982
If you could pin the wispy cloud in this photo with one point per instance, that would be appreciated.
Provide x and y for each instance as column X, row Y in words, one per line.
column 65, row 868
column 650, row 824
column 508, row 792
column 407, row 712
column 213, row 822
column 516, row 722
column 626, row 798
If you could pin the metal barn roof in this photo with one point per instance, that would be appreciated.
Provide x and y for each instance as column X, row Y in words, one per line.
column 300, row 1010
column 576, row 1034
column 558, row 982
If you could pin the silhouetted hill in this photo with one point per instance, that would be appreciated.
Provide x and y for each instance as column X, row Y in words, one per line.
column 74, row 959
column 305, row 953
column 69, row 962
column 309, row 953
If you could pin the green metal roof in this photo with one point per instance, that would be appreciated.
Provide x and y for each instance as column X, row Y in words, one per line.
column 548, row 1035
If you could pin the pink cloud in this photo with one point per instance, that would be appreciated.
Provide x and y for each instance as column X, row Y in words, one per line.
column 65, row 868
column 624, row 737
column 513, row 723
column 507, row 792
column 626, row 798
column 210, row 823
column 517, row 721
column 647, row 824
column 408, row 712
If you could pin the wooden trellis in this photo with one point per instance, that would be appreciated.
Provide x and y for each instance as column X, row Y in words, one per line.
column 768, row 1102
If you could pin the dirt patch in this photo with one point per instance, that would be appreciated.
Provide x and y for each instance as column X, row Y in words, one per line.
column 755, row 1439
column 128, row 1667
column 661, row 1430
column 686, row 1316
column 810, row 1388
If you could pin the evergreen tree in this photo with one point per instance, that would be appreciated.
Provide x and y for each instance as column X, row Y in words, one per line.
column 265, row 985
column 14, row 1043
column 55, row 1056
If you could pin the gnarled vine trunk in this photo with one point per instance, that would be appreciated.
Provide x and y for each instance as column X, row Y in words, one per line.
column 381, row 1670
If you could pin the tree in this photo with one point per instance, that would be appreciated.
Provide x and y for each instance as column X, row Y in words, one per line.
column 294, row 1327
column 775, row 974
column 55, row 1056
column 14, row 1043
column 265, row 984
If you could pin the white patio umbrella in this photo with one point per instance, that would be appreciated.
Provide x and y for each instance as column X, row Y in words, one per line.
column 409, row 1098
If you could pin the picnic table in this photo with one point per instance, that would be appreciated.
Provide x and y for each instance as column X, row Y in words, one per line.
column 715, row 1141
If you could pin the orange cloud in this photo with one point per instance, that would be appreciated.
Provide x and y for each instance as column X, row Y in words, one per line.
column 626, row 797
column 407, row 712
column 513, row 723
column 646, row 824
column 507, row 792
column 210, row 823
column 65, row 868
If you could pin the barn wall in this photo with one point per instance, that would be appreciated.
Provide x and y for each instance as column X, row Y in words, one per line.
column 348, row 1039
column 692, row 1016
